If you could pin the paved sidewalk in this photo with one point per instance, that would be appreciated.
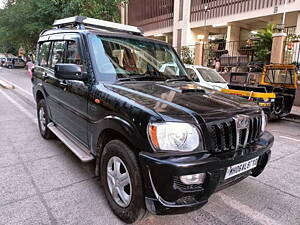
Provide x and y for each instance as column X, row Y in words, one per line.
column 296, row 110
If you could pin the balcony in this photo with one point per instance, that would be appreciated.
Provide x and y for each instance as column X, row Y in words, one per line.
column 221, row 8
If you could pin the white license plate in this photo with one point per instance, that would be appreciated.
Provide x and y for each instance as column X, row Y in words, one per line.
column 241, row 168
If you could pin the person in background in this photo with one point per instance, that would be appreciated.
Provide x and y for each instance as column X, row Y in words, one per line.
column 29, row 66
column 218, row 65
column 13, row 62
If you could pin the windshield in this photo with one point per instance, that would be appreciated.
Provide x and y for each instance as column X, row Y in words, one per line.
column 210, row 75
column 280, row 76
column 134, row 59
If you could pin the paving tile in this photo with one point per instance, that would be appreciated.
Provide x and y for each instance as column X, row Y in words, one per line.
column 15, row 184
column 34, row 150
column 59, row 171
column 284, row 174
column 81, row 203
column 26, row 212
column 8, row 158
column 257, row 198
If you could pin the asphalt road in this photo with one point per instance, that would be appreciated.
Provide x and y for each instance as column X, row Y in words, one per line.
column 42, row 182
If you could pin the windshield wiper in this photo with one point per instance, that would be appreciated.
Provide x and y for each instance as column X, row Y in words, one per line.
column 178, row 79
column 140, row 77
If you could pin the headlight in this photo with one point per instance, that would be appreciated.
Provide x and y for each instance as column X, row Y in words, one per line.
column 264, row 121
column 173, row 136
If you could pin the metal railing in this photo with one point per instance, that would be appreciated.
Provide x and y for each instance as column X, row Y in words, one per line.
column 233, row 53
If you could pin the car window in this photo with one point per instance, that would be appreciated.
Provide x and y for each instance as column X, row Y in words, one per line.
column 58, row 53
column 210, row 75
column 73, row 53
column 43, row 55
column 192, row 74
column 128, row 59
column 280, row 76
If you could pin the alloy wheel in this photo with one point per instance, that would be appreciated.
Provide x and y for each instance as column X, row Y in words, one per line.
column 119, row 182
column 42, row 119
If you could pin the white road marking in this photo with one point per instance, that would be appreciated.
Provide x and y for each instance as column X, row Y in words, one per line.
column 289, row 138
column 248, row 211
column 18, row 87
column 21, row 108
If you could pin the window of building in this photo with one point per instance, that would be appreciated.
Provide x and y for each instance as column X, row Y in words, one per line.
column 179, row 34
column 180, row 10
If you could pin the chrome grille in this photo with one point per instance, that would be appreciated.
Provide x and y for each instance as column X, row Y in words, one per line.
column 226, row 137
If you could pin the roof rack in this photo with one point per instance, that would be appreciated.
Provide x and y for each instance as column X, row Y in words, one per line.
column 82, row 22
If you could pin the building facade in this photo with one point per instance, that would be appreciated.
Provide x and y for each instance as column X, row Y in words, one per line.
column 230, row 22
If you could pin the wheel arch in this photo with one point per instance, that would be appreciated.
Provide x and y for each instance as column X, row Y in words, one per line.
column 105, row 137
column 39, row 95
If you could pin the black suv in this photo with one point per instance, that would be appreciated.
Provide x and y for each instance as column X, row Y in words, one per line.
column 161, row 142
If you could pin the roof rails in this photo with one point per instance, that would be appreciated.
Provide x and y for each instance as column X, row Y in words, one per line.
column 82, row 22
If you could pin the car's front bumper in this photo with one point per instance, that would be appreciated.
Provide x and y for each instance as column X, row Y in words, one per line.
column 166, row 194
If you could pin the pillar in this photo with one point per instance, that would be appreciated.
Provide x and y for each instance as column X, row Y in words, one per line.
column 182, row 33
column 124, row 12
column 298, row 24
column 233, row 38
column 277, row 53
column 199, row 53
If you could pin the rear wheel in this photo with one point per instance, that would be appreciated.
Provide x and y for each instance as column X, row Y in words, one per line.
column 43, row 119
column 122, row 182
column 9, row 66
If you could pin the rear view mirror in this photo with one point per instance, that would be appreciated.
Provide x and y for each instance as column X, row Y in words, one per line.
column 69, row 72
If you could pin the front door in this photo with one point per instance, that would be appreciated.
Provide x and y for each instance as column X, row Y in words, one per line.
column 69, row 98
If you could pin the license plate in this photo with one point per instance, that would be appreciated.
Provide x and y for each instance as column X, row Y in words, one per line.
column 241, row 168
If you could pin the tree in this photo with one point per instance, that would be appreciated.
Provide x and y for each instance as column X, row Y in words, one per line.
column 21, row 21
column 263, row 43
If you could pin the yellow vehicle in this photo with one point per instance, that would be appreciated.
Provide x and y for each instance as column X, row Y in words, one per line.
column 275, row 92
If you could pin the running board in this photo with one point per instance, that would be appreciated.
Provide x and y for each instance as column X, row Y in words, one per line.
column 76, row 147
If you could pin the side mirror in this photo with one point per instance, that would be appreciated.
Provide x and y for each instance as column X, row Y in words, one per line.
column 69, row 72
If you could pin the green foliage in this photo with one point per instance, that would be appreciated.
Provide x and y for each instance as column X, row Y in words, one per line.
column 187, row 55
column 263, row 43
column 21, row 21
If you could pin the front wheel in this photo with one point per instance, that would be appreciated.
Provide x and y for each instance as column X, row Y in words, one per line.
column 122, row 182
column 43, row 120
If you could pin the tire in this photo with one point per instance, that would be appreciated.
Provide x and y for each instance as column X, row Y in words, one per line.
column 9, row 67
column 43, row 120
column 131, row 210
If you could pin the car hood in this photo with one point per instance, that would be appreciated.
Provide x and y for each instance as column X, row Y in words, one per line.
column 219, row 85
column 183, row 100
column 216, row 86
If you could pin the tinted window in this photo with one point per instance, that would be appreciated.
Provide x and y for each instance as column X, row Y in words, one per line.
column 210, row 75
column 43, row 54
column 136, row 59
column 58, row 53
column 73, row 54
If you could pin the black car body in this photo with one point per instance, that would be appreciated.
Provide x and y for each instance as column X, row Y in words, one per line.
column 98, row 109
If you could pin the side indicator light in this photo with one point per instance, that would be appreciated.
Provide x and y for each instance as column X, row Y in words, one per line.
column 97, row 101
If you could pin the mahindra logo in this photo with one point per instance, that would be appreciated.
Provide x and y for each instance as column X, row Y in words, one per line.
column 241, row 121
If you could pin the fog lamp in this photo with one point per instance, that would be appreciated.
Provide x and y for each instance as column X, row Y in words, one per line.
column 197, row 178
